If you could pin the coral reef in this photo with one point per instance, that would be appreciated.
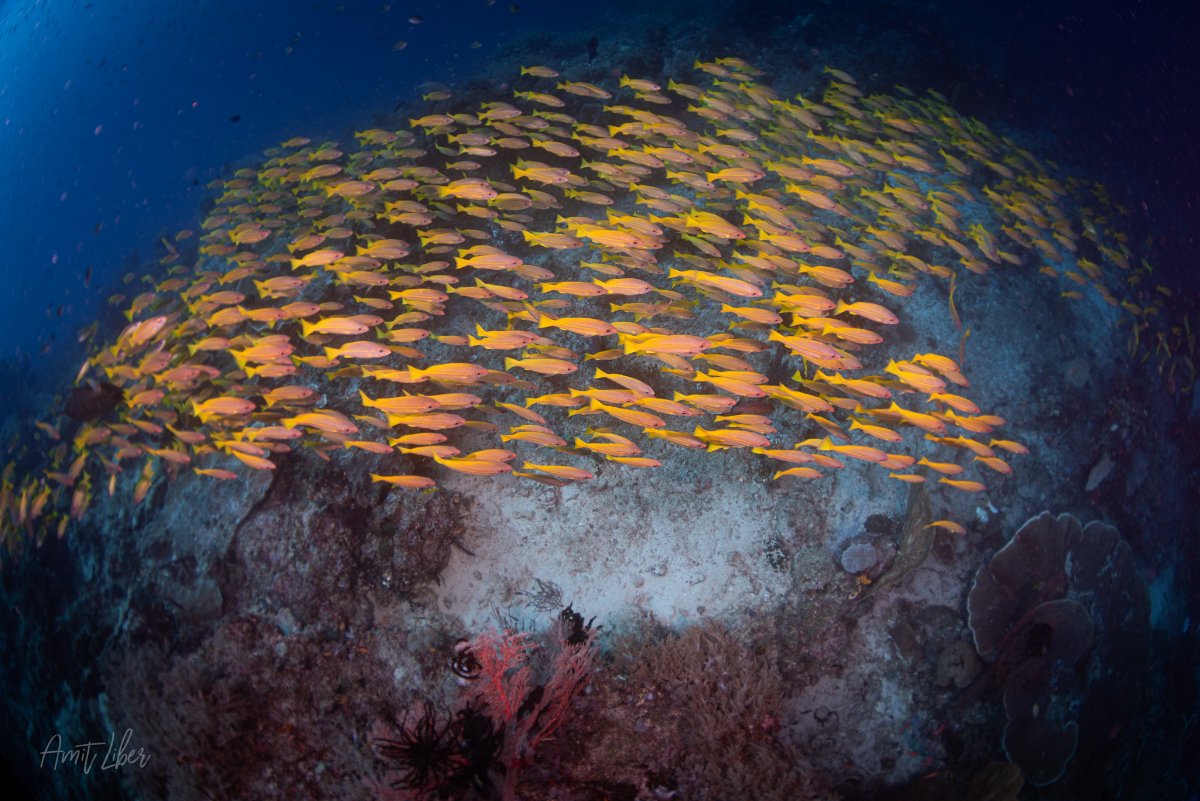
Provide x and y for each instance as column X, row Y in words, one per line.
column 764, row 637
column 957, row 665
column 517, row 694
column 1061, row 612
column 698, row 714
column 259, row 625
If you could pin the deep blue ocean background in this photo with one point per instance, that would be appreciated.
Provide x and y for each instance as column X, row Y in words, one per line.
column 114, row 116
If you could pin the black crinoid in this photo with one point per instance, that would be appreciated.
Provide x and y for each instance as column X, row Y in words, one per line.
column 426, row 753
column 453, row 760
column 577, row 632
column 480, row 743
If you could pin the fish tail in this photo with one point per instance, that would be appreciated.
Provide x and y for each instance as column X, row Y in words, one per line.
column 306, row 328
column 331, row 353
column 509, row 362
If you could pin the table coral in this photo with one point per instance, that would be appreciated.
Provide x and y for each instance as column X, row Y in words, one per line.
column 1057, row 609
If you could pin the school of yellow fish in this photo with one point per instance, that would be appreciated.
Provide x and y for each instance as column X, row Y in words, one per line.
column 702, row 265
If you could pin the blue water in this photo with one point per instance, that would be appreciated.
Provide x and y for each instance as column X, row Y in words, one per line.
column 114, row 116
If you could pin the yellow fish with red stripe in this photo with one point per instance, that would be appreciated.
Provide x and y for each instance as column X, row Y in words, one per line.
column 405, row 218
column 405, row 481
column 222, row 406
column 711, row 224
column 545, row 366
column 330, row 421
column 730, row 438
column 560, row 471
column 472, row 465
column 333, row 325
column 450, row 372
column 359, row 349
column 585, row 326
column 678, row 344
column 724, row 283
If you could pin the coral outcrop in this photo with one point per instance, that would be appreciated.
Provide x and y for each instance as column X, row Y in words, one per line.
column 1058, row 611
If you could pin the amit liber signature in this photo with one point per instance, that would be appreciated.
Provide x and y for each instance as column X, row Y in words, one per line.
column 116, row 754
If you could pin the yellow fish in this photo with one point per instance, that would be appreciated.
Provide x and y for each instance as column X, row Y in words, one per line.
column 451, row 372
column 222, row 406
column 328, row 420
column 475, row 466
column 730, row 438
column 545, row 366
column 405, row 481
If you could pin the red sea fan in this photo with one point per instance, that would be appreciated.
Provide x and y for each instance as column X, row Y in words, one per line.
column 499, row 665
